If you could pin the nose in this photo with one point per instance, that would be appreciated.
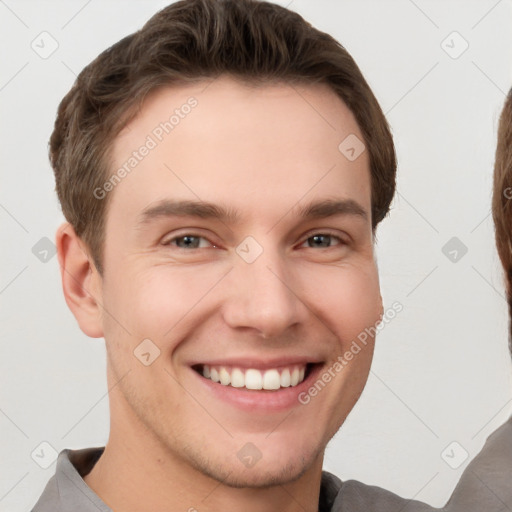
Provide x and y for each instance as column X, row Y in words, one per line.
column 263, row 296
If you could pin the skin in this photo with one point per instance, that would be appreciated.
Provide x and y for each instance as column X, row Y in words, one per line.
column 264, row 151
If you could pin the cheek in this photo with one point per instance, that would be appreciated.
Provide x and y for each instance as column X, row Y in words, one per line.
column 159, row 302
column 347, row 299
column 361, row 300
column 153, row 303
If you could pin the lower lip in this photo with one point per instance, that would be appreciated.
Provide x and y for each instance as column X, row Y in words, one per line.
column 260, row 400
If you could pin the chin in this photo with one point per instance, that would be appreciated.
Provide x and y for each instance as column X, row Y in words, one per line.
column 263, row 477
column 280, row 470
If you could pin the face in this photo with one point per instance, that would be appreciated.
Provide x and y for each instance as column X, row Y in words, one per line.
column 239, row 247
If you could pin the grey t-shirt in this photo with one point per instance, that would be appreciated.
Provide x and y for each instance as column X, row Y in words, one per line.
column 485, row 485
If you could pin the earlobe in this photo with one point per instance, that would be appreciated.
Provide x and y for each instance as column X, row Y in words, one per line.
column 81, row 282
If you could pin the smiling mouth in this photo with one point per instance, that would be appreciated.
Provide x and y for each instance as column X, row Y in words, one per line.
column 271, row 379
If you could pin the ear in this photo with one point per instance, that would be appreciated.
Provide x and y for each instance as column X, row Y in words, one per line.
column 81, row 282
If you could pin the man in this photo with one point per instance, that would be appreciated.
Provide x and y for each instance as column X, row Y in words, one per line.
column 223, row 172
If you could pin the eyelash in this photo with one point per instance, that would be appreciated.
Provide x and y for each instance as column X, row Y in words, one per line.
column 326, row 233
column 312, row 235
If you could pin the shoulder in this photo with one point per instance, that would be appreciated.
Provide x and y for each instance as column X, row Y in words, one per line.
column 485, row 483
column 354, row 496
column 49, row 500
column 66, row 489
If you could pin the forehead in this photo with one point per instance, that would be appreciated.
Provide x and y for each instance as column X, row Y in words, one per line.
column 259, row 147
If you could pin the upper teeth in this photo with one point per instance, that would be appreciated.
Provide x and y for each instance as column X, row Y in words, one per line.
column 255, row 379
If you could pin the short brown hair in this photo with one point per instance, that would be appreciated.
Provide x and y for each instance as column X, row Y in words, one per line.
column 193, row 40
column 502, row 200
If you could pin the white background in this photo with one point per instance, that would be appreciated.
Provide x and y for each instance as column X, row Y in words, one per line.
column 441, row 371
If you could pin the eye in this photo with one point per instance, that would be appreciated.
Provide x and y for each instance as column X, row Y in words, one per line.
column 324, row 240
column 189, row 241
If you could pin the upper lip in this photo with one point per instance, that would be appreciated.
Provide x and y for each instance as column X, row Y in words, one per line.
column 258, row 363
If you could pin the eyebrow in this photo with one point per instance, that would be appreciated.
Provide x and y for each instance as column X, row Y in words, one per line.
column 205, row 210
column 331, row 207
